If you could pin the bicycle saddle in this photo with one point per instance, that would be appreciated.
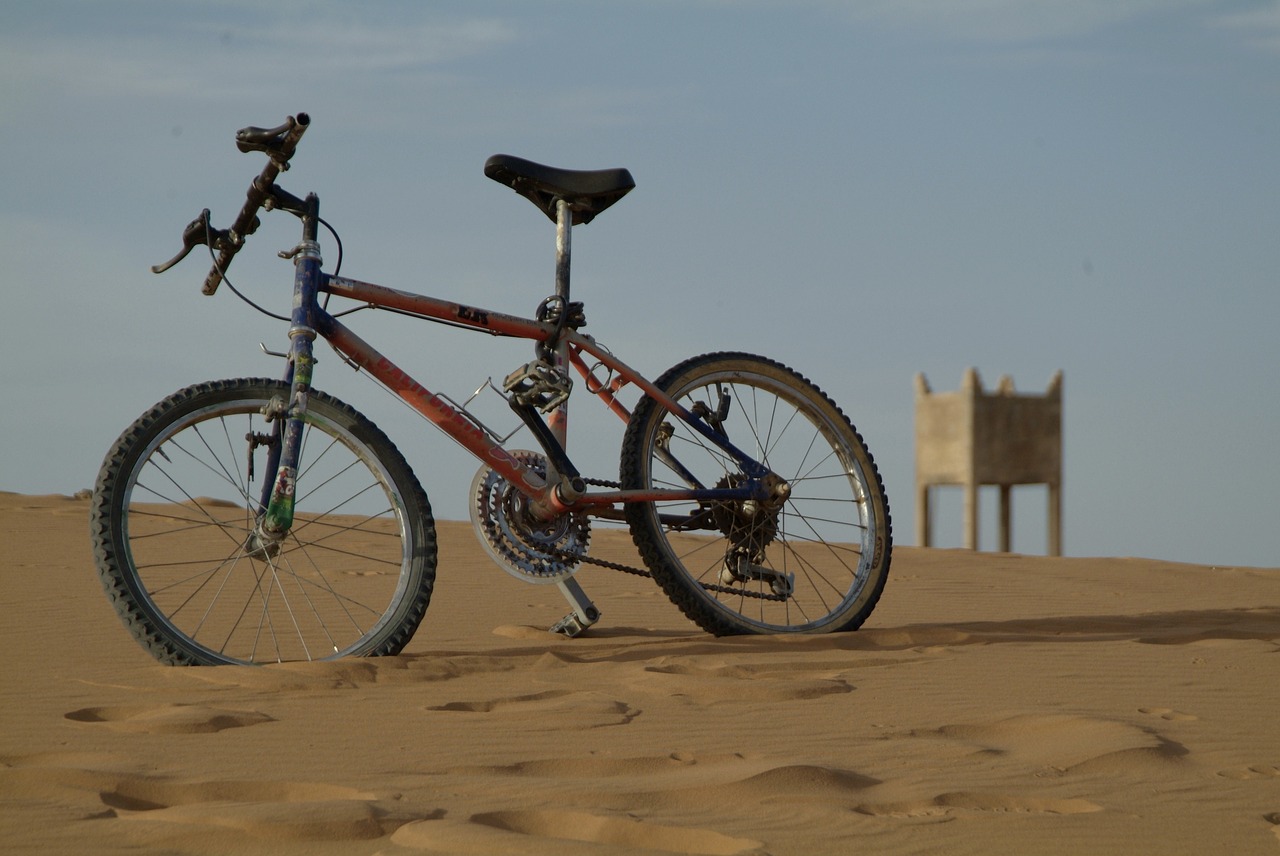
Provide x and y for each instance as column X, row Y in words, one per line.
column 588, row 192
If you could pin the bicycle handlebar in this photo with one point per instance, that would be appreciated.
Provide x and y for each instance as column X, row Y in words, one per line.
column 278, row 144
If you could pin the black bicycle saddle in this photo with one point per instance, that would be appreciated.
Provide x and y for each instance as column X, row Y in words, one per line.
column 588, row 192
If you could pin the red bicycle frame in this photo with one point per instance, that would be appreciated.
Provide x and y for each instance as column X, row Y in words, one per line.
column 462, row 429
column 561, row 489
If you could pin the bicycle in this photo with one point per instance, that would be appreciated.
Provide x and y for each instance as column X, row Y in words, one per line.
column 750, row 497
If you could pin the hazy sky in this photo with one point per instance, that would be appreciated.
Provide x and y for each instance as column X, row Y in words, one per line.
column 863, row 189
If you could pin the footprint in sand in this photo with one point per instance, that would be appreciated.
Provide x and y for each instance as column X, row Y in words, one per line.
column 949, row 805
column 791, row 783
column 1168, row 714
column 802, row 780
column 490, row 705
column 1066, row 743
column 555, row 831
column 168, row 718
column 276, row 811
column 101, row 789
column 592, row 768
column 563, row 709
column 706, row 685
column 1254, row 771
column 356, row 672
column 151, row 793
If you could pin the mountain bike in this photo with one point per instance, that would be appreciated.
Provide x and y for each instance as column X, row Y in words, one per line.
column 261, row 520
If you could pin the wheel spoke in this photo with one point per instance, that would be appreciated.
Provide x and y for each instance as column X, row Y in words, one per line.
column 196, row 582
column 798, row 562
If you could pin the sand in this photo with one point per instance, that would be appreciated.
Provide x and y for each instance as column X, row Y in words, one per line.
column 993, row 704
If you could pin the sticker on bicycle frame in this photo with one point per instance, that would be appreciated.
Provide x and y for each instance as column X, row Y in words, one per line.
column 286, row 484
column 473, row 316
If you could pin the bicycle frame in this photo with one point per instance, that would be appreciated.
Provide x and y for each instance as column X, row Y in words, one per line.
column 790, row 533
column 555, row 493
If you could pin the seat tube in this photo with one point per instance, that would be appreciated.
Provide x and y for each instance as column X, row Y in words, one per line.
column 302, row 335
column 558, row 420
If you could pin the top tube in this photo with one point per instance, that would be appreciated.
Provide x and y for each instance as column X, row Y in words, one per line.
column 496, row 323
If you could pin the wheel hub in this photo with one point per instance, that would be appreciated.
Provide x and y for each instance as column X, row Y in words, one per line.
column 261, row 546
column 750, row 526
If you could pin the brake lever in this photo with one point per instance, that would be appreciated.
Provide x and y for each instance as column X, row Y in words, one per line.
column 197, row 232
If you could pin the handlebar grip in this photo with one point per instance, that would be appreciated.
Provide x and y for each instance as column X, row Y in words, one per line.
column 214, row 279
column 279, row 144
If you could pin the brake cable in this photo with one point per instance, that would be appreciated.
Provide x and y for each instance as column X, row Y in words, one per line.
column 214, row 256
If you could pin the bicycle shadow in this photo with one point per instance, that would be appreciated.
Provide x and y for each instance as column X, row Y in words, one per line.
column 1178, row 627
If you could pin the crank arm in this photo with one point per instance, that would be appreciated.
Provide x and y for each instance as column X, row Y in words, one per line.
column 584, row 612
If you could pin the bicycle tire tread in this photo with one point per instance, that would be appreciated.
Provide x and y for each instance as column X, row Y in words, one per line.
column 115, row 580
column 672, row 580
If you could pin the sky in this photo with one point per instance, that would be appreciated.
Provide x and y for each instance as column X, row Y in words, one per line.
column 862, row 190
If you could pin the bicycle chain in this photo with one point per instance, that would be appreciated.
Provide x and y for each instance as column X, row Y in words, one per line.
column 582, row 558
column 627, row 569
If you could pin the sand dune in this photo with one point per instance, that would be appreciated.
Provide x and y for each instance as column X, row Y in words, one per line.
column 992, row 704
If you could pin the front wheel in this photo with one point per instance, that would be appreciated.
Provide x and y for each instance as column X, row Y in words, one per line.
column 173, row 528
column 811, row 559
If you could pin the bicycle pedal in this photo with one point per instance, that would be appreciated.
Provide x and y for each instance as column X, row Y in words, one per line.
column 572, row 625
column 584, row 612
column 538, row 384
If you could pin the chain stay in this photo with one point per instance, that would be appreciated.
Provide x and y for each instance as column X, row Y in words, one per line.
column 582, row 558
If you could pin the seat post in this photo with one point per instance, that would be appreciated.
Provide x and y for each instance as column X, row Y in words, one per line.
column 564, row 233
column 558, row 419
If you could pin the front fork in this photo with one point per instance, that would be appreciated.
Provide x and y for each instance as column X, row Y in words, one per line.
column 278, row 495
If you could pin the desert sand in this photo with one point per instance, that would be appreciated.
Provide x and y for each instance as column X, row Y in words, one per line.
column 992, row 704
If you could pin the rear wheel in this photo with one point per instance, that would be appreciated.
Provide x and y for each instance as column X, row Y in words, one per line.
column 814, row 557
column 173, row 523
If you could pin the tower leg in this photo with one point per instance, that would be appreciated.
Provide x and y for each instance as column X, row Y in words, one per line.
column 924, row 525
column 1055, row 519
column 971, row 516
column 1005, row 517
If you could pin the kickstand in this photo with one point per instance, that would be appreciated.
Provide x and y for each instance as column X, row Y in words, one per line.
column 584, row 612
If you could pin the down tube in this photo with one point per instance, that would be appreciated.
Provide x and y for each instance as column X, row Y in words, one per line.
column 430, row 405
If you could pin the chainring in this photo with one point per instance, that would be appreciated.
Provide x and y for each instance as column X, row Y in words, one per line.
column 531, row 550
